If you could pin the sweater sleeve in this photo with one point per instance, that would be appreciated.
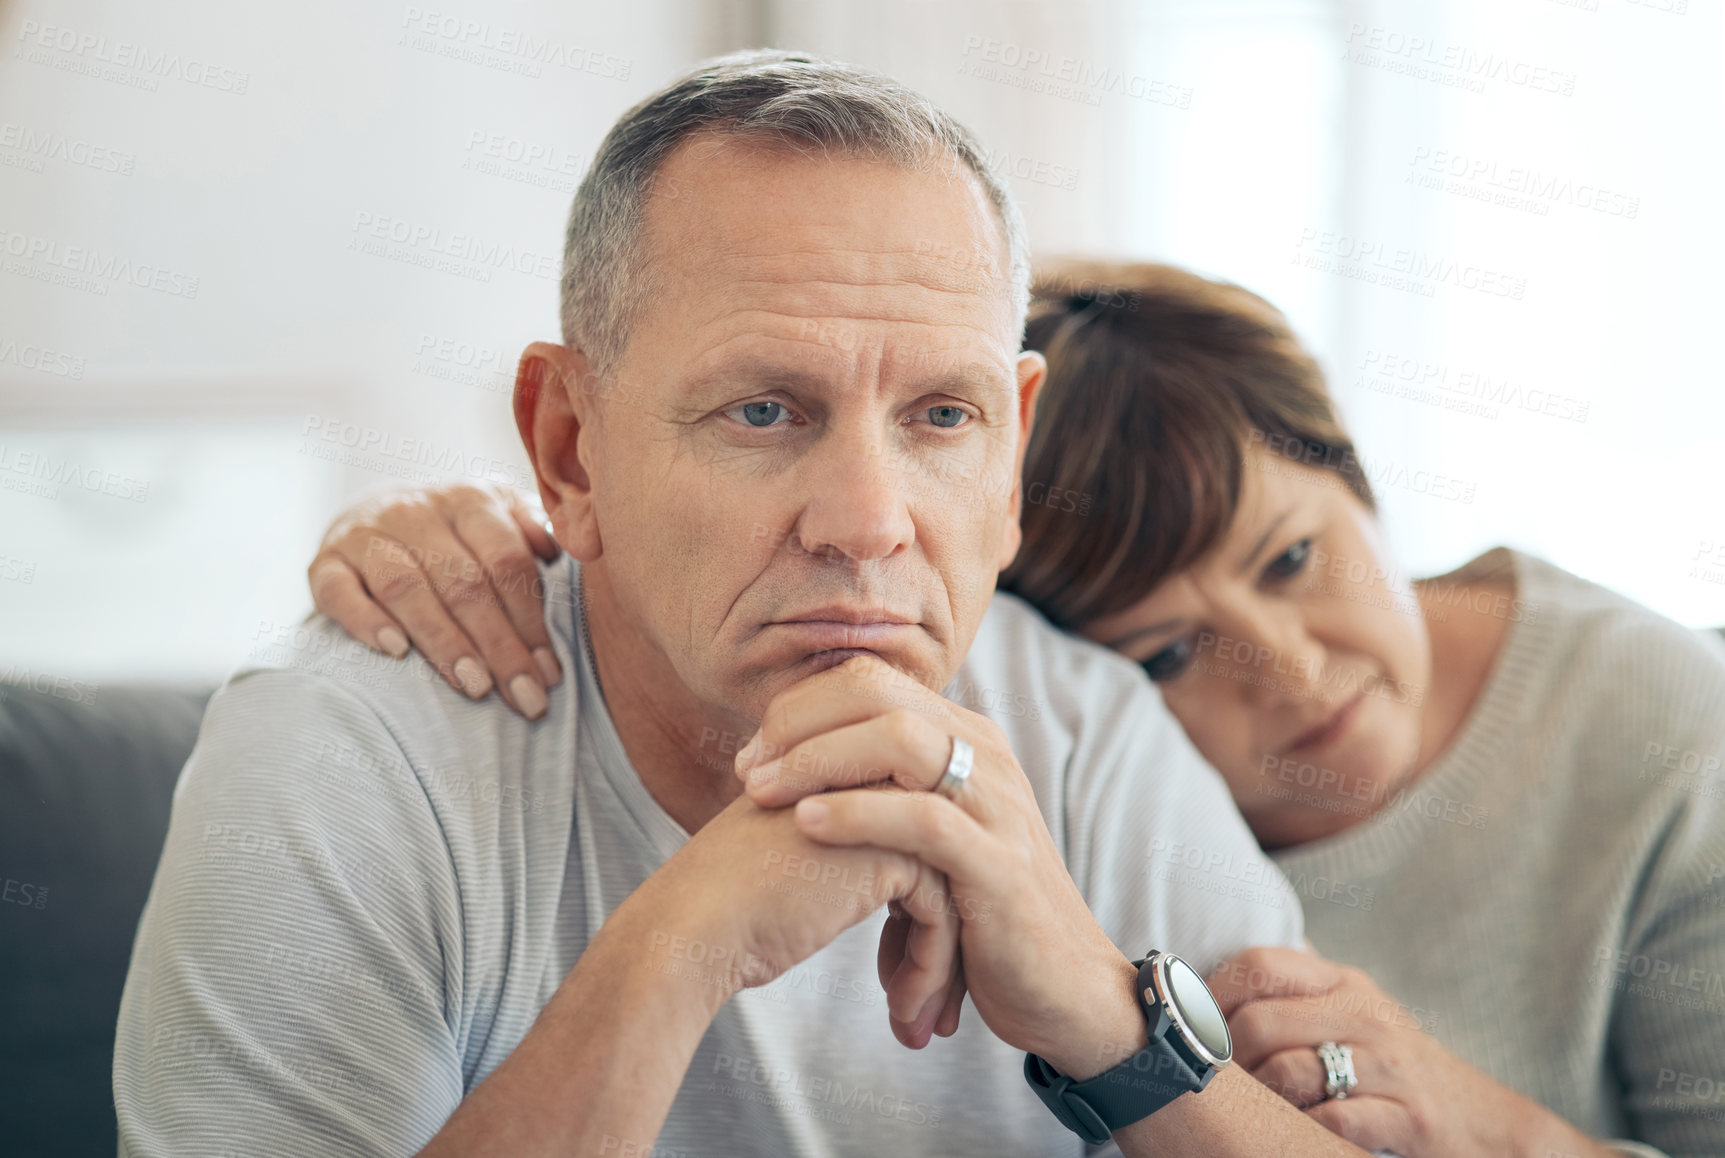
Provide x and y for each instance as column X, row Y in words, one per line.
column 1667, row 1032
column 297, row 970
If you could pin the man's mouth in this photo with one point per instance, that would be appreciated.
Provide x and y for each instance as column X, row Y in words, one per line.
column 847, row 613
column 825, row 634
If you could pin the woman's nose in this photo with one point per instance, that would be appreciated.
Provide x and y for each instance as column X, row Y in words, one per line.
column 1274, row 659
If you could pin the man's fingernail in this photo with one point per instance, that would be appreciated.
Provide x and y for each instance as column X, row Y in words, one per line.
column 547, row 666
column 392, row 641
column 811, row 810
column 750, row 753
column 528, row 696
column 474, row 680
column 930, row 1011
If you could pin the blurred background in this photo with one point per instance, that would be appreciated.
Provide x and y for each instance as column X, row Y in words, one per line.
column 257, row 261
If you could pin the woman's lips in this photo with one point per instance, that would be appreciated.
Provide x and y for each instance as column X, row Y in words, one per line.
column 1329, row 731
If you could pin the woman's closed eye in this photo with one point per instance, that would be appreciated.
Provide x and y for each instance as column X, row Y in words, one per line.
column 1171, row 662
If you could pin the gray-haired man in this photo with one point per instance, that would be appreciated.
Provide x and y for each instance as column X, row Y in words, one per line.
column 783, row 438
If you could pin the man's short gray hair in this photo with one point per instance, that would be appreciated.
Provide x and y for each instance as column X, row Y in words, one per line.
column 787, row 98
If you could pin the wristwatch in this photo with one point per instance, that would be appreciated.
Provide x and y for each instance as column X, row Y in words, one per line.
column 1189, row 1042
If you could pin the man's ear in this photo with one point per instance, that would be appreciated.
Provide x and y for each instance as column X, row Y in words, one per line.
column 554, row 411
column 1032, row 372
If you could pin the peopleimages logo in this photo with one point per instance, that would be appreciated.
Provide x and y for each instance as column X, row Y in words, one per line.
column 501, row 47
column 88, row 268
column 1067, row 77
column 1467, row 388
column 34, row 146
column 1512, row 186
column 438, row 248
column 86, row 52
column 1005, row 164
column 30, row 896
column 1370, row 260
column 1341, row 465
column 42, row 683
column 40, row 359
column 1456, row 65
column 784, row 1086
column 47, row 473
column 421, row 460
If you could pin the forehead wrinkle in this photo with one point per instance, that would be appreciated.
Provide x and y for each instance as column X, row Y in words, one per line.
column 717, row 361
column 839, row 331
column 835, row 320
column 838, row 285
column 829, row 303
column 890, row 264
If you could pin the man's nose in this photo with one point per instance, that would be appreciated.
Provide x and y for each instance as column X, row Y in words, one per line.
column 856, row 499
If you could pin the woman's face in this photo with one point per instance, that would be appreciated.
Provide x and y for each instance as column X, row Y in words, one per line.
column 1293, row 654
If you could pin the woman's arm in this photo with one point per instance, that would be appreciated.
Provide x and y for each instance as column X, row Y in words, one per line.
column 453, row 572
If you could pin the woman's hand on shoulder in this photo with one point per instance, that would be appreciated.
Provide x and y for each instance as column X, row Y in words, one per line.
column 452, row 572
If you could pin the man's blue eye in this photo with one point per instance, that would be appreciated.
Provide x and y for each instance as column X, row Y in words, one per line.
column 1290, row 562
column 946, row 416
column 1170, row 662
column 762, row 413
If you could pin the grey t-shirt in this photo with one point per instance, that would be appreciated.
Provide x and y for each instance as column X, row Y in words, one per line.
column 371, row 886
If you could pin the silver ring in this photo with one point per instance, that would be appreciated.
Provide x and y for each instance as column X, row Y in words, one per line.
column 1339, row 1076
column 958, row 767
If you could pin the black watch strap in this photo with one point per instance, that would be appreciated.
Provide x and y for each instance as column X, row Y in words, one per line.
column 1136, row 1088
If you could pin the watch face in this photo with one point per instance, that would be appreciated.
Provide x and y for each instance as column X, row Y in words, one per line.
column 1198, row 1009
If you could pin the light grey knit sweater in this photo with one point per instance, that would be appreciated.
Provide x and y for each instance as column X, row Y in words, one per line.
column 1549, row 898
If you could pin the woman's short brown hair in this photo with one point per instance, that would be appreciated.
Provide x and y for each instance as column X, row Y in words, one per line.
column 1158, row 381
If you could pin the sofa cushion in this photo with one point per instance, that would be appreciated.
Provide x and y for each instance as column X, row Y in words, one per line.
column 87, row 775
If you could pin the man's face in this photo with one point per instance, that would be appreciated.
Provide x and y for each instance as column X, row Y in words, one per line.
column 821, row 421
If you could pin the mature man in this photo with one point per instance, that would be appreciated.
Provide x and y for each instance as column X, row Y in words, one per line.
column 783, row 439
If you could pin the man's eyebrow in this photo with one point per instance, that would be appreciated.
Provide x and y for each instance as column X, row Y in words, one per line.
column 756, row 376
column 766, row 375
column 972, row 376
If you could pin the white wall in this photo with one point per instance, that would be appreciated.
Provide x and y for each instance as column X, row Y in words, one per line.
column 1270, row 132
column 1242, row 137
column 257, row 150
column 1614, row 247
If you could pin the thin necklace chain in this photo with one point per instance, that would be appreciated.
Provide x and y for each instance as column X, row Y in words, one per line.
column 586, row 632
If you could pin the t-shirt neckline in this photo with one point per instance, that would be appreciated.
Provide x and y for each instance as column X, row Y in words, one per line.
column 596, row 726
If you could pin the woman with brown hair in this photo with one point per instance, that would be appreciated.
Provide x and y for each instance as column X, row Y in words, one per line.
column 1497, row 792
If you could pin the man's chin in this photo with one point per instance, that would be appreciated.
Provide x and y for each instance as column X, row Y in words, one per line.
column 904, row 663
column 909, row 669
column 822, row 660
